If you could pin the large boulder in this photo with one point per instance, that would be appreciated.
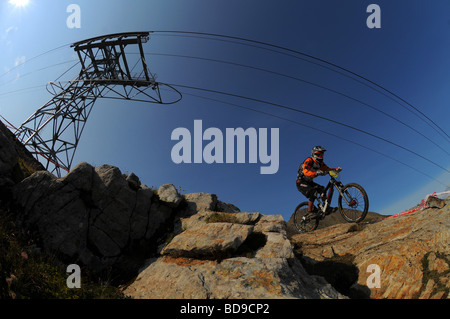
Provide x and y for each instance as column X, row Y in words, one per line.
column 97, row 216
column 169, row 194
column 220, row 255
column 232, row 278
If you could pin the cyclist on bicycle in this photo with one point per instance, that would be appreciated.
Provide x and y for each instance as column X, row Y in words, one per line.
column 311, row 168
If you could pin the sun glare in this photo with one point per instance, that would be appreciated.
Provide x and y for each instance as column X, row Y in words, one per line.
column 19, row 3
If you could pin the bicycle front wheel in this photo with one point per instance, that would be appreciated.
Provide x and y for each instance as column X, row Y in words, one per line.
column 355, row 205
column 304, row 221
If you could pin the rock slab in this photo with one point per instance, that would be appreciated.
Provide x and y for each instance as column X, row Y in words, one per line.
column 228, row 255
column 411, row 251
column 208, row 241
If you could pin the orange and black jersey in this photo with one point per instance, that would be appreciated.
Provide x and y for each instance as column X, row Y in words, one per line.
column 308, row 169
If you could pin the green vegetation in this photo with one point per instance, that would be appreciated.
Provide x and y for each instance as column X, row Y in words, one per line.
column 221, row 218
column 26, row 273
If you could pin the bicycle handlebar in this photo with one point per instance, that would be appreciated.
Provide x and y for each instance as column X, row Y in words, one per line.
column 334, row 173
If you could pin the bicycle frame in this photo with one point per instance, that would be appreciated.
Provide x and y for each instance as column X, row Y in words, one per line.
column 330, row 189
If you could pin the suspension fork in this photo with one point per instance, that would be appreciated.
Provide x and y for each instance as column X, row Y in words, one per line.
column 344, row 195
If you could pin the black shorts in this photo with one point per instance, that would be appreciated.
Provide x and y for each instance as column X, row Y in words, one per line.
column 310, row 189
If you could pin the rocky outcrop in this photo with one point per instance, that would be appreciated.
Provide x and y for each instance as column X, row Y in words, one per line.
column 195, row 246
column 96, row 216
column 100, row 217
column 229, row 255
column 104, row 220
column 411, row 251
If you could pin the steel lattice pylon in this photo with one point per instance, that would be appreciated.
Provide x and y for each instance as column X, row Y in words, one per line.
column 105, row 73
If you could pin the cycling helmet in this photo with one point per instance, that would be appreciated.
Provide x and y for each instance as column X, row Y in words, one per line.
column 317, row 153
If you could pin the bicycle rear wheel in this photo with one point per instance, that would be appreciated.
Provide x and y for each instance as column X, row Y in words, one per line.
column 356, row 203
column 304, row 221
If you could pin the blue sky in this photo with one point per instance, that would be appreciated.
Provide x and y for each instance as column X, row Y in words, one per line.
column 408, row 55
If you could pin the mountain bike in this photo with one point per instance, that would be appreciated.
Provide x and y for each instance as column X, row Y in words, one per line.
column 353, row 204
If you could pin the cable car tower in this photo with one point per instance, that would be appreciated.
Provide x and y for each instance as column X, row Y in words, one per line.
column 107, row 71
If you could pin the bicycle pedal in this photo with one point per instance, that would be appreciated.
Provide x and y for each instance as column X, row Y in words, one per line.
column 320, row 215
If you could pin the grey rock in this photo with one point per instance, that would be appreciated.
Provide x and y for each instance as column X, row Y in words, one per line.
column 111, row 177
column 277, row 246
column 226, row 207
column 169, row 194
column 208, row 240
column 81, row 177
column 199, row 263
column 208, row 216
column 92, row 213
column 198, row 202
column 233, row 278
column 271, row 223
column 133, row 181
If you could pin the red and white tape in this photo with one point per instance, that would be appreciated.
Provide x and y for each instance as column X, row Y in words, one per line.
column 422, row 206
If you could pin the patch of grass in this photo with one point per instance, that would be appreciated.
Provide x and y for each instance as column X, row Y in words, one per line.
column 26, row 273
column 221, row 218
column 25, row 168
column 21, row 170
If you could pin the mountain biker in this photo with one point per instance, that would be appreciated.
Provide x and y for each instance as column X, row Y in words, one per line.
column 311, row 168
